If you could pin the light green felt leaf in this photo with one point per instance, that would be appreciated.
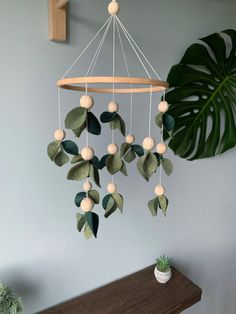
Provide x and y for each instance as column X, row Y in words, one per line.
column 79, row 171
column 94, row 174
column 87, row 232
column 76, row 118
column 129, row 156
column 114, row 163
column 140, row 167
column 81, row 219
column 79, row 130
column 76, row 159
column 110, row 207
column 124, row 148
column 61, row 158
column 167, row 165
column 110, row 203
column 94, row 195
column 123, row 169
column 118, row 198
column 163, row 203
column 153, row 206
column 150, row 164
column 159, row 121
column 53, row 149
column 115, row 124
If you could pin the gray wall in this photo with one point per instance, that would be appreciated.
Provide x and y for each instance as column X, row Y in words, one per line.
column 42, row 256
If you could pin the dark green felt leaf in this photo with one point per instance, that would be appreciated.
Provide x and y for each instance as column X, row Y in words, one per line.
column 118, row 198
column 79, row 197
column 94, row 195
column 102, row 162
column 115, row 124
column 79, row 171
column 106, row 200
column 95, row 161
column 61, row 158
column 129, row 156
column 70, row 147
column 123, row 169
column 153, row 206
column 138, row 150
column 107, row 116
column 53, row 149
column 122, row 125
column 94, row 175
column 94, row 126
column 81, row 219
column 168, row 122
column 114, row 163
column 109, row 205
column 159, row 120
column 93, row 222
column 76, row 118
column 167, row 165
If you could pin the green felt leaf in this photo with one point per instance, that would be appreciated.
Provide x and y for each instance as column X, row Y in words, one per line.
column 122, row 125
column 114, row 163
column 115, row 124
column 76, row 118
column 124, row 148
column 81, row 219
column 79, row 171
column 94, row 174
column 163, row 203
column 107, row 116
column 76, row 159
column 61, row 158
column 138, row 150
column 94, row 195
column 109, row 205
column 106, row 200
column 93, row 222
column 79, row 197
column 109, row 212
column 168, row 122
column 53, row 149
column 95, row 161
column 158, row 157
column 159, row 120
column 87, row 231
column 129, row 156
column 153, row 206
column 150, row 164
column 79, row 130
column 70, row 147
column 140, row 166
column 102, row 162
column 94, row 126
column 123, row 169
column 118, row 198
column 167, row 165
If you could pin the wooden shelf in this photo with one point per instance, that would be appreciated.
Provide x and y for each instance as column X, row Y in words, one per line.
column 139, row 293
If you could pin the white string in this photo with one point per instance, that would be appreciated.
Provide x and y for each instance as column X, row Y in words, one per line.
column 150, row 113
column 59, row 107
column 86, row 48
column 114, row 55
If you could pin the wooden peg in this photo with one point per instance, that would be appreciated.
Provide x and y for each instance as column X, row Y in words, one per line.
column 57, row 20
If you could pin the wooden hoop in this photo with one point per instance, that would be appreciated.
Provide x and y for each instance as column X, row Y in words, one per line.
column 154, row 85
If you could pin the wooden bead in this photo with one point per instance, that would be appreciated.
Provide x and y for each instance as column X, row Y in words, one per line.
column 113, row 106
column 87, row 186
column 130, row 139
column 148, row 143
column 112, row 149
column 86, row 102
column 59, row 135
column 87, row 204
column 87, row 153
column 111, row 188
column 113, row 8
column 163, row 106
column 161, row 148
column 160, row 190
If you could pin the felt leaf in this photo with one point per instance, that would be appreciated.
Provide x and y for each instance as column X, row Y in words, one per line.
column 79, row 171
column 158, row 157
column 80, row 221
column 53, row 149
column 79, row 197
column 87, row 231
column 115, row 124
column 94, row 195
column 76, row 118
column 107, row 116
column 94, row 175
column 102, row 162
column 76, row 159
column 140, row 167
column 150, row 164
column 124, row 148
column 95, row 162
column 79, row 130
column 110, row 211
column 167, row 166
column 159, row 120
column 122, row 125
column 138, row 150
column 114, row 163
column 123, row 169
column 106, row 200
column 153, row 206
column 109, row 205
column 129, row 156
column 163, row 203
column 61, row 158
column 70, row 147
column 94, row 126
column 168, row 122
column 118, row 198
column 93, row 222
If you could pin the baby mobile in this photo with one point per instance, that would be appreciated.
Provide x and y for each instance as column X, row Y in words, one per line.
column 86, row 165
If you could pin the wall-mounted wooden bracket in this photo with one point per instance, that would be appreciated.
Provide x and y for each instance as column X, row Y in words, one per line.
column 57, row 20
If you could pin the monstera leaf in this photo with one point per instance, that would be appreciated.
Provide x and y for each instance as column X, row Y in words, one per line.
column 203, row 98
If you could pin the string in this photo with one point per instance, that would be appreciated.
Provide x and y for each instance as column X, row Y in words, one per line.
column 113, row 73
column 86, row 48
column 150, row 113
column 59, row 107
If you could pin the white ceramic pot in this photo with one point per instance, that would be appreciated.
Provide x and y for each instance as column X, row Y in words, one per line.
column 162, row 277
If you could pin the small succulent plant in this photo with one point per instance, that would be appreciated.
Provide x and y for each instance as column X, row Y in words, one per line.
column 9, row 302
column 163, row 263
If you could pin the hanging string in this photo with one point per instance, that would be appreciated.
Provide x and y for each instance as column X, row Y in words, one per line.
column 59, row 107
column 113, row 73
column 150, row 113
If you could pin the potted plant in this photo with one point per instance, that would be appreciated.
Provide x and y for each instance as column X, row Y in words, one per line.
column 9, row 302
column 162, row 269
